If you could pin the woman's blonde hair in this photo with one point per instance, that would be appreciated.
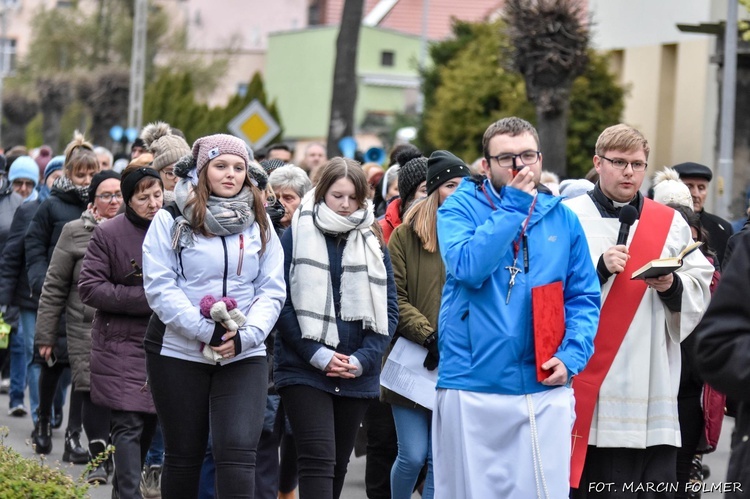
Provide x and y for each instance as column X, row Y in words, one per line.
column 80, row 156
column 199, row 201
column 422, row 218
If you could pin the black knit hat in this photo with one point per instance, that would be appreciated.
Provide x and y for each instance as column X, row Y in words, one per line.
column 412, row 173
column 443, row 166
column 127, row 186
column 97, row 179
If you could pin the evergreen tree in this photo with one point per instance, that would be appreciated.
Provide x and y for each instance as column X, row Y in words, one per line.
column 469, row 86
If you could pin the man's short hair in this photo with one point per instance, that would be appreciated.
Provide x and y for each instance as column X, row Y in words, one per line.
column 621, row 138
column 512, row 126
column 278, row 146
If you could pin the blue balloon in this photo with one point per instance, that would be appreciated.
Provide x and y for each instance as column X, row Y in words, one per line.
column 131, row 133
column 116, row 133
column 348, row 146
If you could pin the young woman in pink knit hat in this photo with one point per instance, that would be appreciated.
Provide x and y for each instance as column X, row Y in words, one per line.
column 214, row 277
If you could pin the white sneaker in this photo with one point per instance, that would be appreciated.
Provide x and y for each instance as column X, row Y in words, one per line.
column 18, row 411
column 5, row 385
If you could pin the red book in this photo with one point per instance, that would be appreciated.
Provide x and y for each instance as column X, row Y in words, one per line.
column 548, row 316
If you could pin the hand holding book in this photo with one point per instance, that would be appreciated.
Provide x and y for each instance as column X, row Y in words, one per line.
column 664, row 266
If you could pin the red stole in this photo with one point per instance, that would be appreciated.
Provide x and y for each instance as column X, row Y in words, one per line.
column 616, row 316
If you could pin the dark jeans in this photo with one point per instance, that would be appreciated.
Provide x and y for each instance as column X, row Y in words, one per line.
column 131, row 436
column 191, row 395
column 324, row 426
column 276, row 470
column 382, row 449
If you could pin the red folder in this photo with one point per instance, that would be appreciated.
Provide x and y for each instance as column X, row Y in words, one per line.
column 548, row 312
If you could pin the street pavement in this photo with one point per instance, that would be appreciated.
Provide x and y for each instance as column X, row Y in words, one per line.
column 354, row 488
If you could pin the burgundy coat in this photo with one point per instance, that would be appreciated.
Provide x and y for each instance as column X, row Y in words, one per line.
column 111, row 284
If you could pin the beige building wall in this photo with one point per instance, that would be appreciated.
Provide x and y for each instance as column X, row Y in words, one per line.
column 672, row 90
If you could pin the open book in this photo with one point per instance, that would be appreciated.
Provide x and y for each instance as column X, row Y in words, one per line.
column 664, row 266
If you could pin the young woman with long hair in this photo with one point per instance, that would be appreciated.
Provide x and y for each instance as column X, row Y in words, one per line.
column 339, row 316
column 213, row 247
column 420, row 275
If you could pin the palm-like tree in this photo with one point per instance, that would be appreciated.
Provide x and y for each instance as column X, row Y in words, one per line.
column 549, row 41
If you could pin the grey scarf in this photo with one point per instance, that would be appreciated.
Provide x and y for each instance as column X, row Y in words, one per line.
column 224, row 216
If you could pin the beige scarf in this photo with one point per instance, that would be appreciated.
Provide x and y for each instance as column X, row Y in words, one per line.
column 364, row 294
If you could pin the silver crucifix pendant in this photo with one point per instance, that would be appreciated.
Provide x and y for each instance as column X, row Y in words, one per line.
column 513, row 270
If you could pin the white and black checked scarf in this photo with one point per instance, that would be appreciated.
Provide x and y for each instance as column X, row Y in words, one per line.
column 364, row 294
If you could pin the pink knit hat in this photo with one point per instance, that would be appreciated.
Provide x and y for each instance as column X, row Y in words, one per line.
column 207, row 148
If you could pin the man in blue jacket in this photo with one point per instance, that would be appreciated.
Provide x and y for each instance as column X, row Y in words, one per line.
column 497, row 430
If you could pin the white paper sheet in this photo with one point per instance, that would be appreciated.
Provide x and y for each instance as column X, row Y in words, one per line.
column 404, row 373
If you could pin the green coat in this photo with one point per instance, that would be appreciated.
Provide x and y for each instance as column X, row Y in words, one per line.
column 420, row 276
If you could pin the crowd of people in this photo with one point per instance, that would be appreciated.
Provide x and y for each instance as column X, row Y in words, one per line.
column 237, row 326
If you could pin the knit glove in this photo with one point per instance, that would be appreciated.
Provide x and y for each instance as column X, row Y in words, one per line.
column 432, row 358
column 232, row 319
column 223, row 311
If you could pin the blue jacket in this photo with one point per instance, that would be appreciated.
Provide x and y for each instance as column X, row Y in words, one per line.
column 292, row 353
column 486, row 345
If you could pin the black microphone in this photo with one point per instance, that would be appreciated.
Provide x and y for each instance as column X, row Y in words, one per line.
column 628, row 215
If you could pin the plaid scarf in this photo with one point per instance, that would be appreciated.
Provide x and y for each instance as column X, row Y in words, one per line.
column 224, row 216
column 64, row 184
column 364, row 293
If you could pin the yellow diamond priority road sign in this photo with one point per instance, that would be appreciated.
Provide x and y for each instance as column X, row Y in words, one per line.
column 254, row 125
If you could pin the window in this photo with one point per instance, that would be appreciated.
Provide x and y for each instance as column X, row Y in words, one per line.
column 242, row 89
column 387, row 58
column 7, row 56
column 315, row 13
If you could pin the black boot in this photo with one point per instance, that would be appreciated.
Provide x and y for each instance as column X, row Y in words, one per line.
column 98, row 474
column 42, row 435
column 74, row 451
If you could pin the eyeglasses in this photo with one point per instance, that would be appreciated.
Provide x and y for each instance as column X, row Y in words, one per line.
column 508, row 160
column 621, row 164
column 168, row 173
column 108, row 196
column 23, row 183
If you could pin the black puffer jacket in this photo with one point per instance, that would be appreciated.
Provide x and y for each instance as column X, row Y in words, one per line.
column 722, row 352
column 44, row 231
column 14, row 281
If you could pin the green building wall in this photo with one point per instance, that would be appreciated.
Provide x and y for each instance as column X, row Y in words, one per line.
column 299, row 75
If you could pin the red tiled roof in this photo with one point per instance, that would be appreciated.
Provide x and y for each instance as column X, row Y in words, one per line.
column 406, row 15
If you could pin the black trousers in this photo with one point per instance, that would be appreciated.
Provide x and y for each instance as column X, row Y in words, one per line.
column 382, row 449
column 325, row 427
column 618, row 473
column 276, row 466
column 190, row 396
column 131, row 436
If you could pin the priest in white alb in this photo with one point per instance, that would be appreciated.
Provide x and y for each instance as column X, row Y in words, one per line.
column 627, row 429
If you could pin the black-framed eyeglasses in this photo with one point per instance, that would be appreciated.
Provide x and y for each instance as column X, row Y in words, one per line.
column 108, row 196
column 621, row 164
column 508, row 160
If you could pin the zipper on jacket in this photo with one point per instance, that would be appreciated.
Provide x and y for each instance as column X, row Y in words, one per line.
column 242, row 254
column 226, row 266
